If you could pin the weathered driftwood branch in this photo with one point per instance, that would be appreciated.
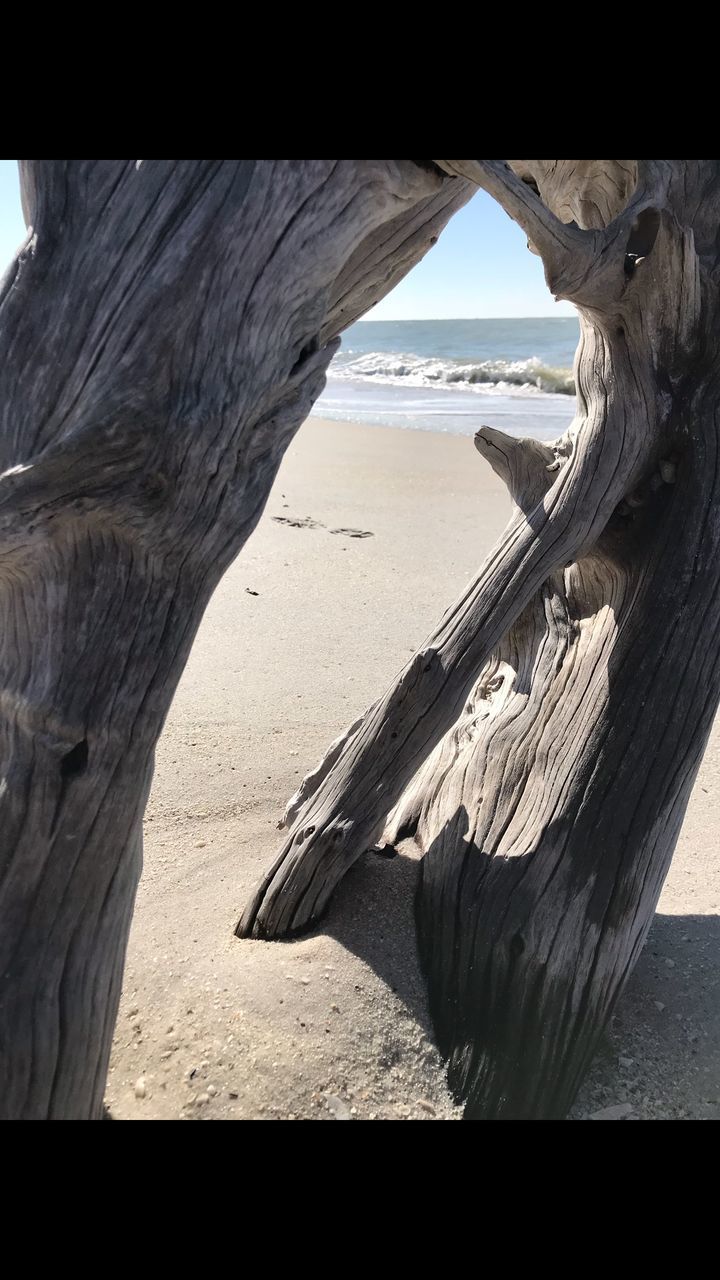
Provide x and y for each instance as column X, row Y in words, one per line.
column 163, row 333
column 344, row 813
column 525, row 465
column 568, row 694
column 564, row 248
column 579, row 215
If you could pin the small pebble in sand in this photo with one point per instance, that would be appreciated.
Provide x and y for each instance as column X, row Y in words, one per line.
column 211, row 1090
column 626, row 1062
column 337, row 1107
column 670, row 964
column 659, row 1005
column 140, row 1089
column 202, row 1098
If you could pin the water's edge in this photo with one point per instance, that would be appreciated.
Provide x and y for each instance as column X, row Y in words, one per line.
column 456, row 375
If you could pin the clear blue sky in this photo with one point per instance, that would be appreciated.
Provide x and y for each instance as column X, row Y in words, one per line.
column 479, row 267
column 12, row 223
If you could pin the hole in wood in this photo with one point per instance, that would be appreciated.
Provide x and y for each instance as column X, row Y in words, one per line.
column 641, row 238
column 517, row 945
column 75, row 762
column 644, row 233
column 308, row 350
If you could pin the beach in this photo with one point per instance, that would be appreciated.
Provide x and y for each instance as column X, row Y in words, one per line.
column 368, row 535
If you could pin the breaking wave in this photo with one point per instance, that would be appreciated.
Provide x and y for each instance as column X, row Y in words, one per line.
column 502, row 376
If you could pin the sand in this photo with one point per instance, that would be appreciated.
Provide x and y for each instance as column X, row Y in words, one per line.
column 307, row 628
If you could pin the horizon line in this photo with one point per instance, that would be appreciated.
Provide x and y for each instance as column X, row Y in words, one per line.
column 424, row 319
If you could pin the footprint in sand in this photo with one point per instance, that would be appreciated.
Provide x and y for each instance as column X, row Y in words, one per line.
column 296, row 522
column 307, row 522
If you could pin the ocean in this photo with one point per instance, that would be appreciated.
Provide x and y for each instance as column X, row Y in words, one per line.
column 455, row 375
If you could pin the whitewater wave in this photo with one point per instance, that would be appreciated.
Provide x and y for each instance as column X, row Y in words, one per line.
column 502, row 376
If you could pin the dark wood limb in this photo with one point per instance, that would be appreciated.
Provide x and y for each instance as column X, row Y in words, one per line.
column 164, row 331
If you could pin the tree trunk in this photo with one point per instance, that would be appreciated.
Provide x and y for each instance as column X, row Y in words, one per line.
column 543, row 743
column 163, row 333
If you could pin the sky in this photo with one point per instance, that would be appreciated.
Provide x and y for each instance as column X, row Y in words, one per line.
column 12, row 223
column 480, row 267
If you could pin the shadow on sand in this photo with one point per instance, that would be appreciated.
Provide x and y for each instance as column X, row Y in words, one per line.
column 661, row 1052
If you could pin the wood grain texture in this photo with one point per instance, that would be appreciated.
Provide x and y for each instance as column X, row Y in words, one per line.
column 542, row 744
column 163, row 333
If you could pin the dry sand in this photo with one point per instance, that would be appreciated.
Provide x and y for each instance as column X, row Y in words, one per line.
column 306, row 629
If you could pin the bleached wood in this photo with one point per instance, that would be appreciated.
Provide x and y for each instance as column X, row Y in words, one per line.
column 568, row 694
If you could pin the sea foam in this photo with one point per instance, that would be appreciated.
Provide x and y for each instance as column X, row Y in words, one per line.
column 501, row 376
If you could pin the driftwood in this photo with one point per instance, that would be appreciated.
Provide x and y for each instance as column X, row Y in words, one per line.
column 163, row 332
column 542, row 744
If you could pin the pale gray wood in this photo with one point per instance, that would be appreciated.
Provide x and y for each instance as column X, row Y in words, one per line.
column 163, row 333
column 543, row 742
